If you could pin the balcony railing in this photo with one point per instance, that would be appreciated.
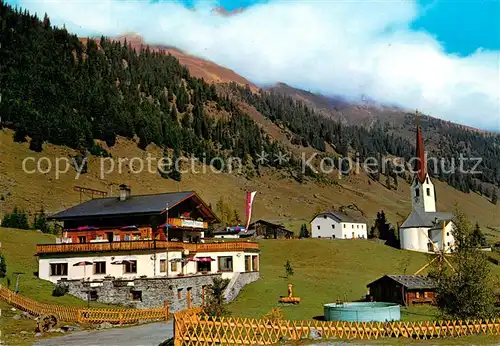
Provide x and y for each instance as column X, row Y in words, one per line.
column 144, row 245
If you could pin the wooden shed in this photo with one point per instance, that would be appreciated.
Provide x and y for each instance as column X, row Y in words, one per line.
column 403, row 289
column 270, row 230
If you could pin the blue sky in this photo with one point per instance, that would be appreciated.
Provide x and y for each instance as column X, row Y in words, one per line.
column 462, row 26
column 442, row 56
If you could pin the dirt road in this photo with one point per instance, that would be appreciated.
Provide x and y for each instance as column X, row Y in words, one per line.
column 144, row 335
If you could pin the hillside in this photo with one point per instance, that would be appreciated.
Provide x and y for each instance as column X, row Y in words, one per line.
column 102, row 99
column 279, row 196
column 198, row 67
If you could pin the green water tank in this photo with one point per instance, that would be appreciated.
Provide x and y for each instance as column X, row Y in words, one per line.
column 362, row 312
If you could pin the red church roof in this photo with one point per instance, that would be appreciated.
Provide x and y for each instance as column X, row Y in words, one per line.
column 421, row 164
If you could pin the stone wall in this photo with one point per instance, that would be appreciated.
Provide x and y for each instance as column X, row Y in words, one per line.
column 238, row 282
column 153, row 291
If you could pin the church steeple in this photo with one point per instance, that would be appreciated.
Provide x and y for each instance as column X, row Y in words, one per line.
column 421, row 164
column 422, row 189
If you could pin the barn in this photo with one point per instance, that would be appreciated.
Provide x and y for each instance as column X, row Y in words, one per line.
column 270, row 230
column 403, row 289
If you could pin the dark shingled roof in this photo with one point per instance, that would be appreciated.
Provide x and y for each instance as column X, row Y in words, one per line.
column 270, row 224
column 410, row 281
column 425, row 219
column 140, row 204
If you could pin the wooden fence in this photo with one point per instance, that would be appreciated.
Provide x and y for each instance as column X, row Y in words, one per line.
column 194, row 330
column 84, row 315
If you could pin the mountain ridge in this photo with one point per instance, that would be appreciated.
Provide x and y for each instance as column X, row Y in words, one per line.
column 362, row 111
column 102, row 99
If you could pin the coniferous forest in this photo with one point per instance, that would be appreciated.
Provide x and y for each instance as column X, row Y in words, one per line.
column 56, row 89
column 380, row 140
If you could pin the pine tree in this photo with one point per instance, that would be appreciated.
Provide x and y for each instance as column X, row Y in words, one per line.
column 236, row 217
column 395, row 177
column 173, row 113
column 46, row 21
column 304, row 232
column 175, row 173
column 382, row 229
column 215, row 302
column 41, row 222
column 288, row 269
column 494, row 197
column 165, row 167
column 3, row 266
column 477, row 237
column 16, row 219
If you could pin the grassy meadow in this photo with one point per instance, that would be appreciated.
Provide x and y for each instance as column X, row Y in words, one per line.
column 18, row 247
column 324, row 271
column 11, row 329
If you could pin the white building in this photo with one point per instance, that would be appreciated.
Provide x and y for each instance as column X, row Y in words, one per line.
column 153, row 242
column 425, row 230
column 336, row 225
column 98, row 263
column 229, row 232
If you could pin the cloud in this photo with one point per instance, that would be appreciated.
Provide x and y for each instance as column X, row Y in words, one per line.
column 339, row 48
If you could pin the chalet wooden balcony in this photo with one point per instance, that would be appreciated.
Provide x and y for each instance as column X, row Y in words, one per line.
column 144, row 245
column 187, row 224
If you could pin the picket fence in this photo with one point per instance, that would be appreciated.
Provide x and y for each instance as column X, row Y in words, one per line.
column 84, row 315
column 193, row 329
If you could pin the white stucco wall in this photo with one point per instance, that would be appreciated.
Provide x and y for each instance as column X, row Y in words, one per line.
column 227, row 236
column 354, row 230
column 326, row 226
column 426, row 200
column 449, row 240
column 416, row 239
column 148, row 264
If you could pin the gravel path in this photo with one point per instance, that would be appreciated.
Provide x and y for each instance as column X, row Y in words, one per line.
column 144, row 335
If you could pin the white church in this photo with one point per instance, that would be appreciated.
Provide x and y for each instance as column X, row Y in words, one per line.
column 425, row 229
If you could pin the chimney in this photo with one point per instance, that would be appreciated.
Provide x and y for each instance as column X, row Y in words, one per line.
column 124, row 192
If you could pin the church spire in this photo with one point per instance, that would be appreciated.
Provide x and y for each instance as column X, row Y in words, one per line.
column 421, row 164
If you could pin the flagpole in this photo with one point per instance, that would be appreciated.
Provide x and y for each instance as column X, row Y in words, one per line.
column 166, row 262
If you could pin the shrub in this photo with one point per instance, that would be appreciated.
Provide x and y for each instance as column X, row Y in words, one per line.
column 41, row 222
column 274, row 315
column 98, row 150
column 60, row 290
column 288, row 269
